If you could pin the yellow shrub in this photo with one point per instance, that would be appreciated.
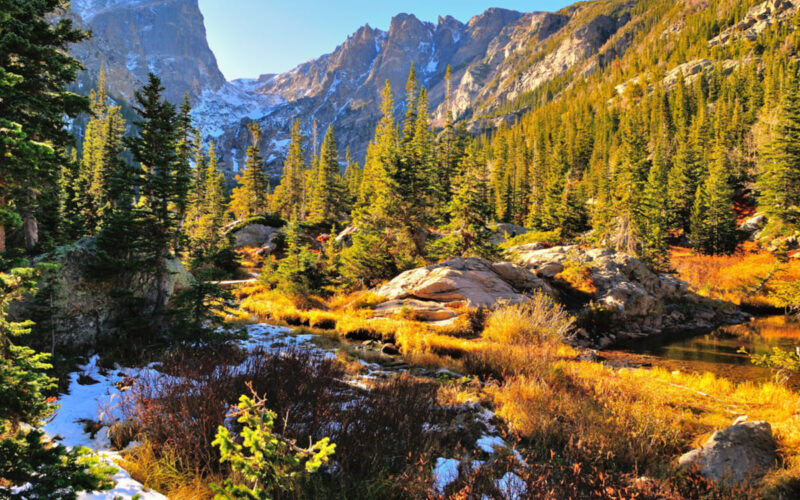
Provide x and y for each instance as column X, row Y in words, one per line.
column 537, row 320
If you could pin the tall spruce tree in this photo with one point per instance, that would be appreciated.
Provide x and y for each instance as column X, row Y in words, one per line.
column 182, row 173
column 35, row 68
column 326, row 196
column 779, row 163
column 156, row 150
column 250, row 197
column 289, row 197
column 713, row 218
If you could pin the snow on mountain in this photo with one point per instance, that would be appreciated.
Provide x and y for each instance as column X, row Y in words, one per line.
column 87, row 9
column 230, row 105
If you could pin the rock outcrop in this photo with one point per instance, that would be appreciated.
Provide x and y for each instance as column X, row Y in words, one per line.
column 619, row 297
column 132, row 38
column 433, row 292
column 737, row 455
column 88, row 306
column 757, row 19
column 635, row 300
column 752, row 226
column 256, row 236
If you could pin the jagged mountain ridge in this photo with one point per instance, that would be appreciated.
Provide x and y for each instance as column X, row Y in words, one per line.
column 343, row 87
column 495, row 56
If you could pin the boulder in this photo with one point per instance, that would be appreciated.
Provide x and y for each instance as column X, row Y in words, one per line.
column 741, row 453
column 471, row 282
column 504, row 231
column 254, row 236
column 86, row 307
column 420, row 310
column 638, row 300
column 752, row 226
column 346, row 236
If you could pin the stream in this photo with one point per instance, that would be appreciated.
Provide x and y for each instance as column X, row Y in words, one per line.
column 716, row 351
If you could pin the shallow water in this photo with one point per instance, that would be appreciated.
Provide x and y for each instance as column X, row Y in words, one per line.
column 717, row 351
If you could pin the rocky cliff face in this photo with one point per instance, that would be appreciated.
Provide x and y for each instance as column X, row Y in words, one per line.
column 134, row 37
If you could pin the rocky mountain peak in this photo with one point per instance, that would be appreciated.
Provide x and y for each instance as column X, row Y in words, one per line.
column 135, row 37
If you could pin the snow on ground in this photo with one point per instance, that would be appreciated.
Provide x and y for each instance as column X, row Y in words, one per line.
column 489, row 444
column 97, row 397
column 444, row 473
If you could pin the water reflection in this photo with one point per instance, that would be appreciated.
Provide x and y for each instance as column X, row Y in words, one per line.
column 718, row 351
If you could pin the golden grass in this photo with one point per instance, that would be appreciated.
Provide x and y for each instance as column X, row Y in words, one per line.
column 639, row 420
column 736, row 278
column 536, row 321
column 642, row 418
column 164, row 473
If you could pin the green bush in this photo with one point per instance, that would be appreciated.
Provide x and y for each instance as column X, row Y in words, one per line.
column 266, row 462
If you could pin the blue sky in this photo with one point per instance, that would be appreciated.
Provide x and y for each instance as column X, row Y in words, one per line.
column 252, row 37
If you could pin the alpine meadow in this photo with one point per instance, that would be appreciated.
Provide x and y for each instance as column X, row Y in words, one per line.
column 524, row 255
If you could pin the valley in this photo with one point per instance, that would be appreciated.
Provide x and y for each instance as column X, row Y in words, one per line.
column 520, row 255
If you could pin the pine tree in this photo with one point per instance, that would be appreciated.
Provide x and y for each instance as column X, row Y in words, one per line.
column 470, row 208
column 35, row 67
column 352, row 178
column 779, row 164
column 326, row 190
column 629, row 177
column 289, row 197
column 182, row 173
column 654, row 223
column 718, row 226
column 250, row 197
column 155, row 149
column 215, row 203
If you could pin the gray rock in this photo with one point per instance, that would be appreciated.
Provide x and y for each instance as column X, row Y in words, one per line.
column 420, row 309
column 255, row 236
column 639, row 299
column 504, row 231
column 737, row 455
column 757, row 19
column 471, row 282
column 86, row 306
column 346, row 236
column 753, row 225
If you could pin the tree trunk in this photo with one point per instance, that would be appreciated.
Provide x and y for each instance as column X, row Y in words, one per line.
column 30, row 227
column 2, row 238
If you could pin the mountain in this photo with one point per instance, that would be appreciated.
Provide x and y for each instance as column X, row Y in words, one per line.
column 503, row 62
column 134, row 37
column 496, row 56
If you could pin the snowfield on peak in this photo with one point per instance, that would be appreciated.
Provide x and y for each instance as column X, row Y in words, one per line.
column 233, row 102
column 87, row 9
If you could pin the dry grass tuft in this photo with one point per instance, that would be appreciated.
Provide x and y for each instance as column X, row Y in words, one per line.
column 538, row 320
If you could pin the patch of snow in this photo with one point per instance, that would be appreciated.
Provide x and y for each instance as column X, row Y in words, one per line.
column 444, row 473
column 234, row 159
column 511, row 486
column 131, row 61
column 490, row 443
column 99, row 401
column 432, row 65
